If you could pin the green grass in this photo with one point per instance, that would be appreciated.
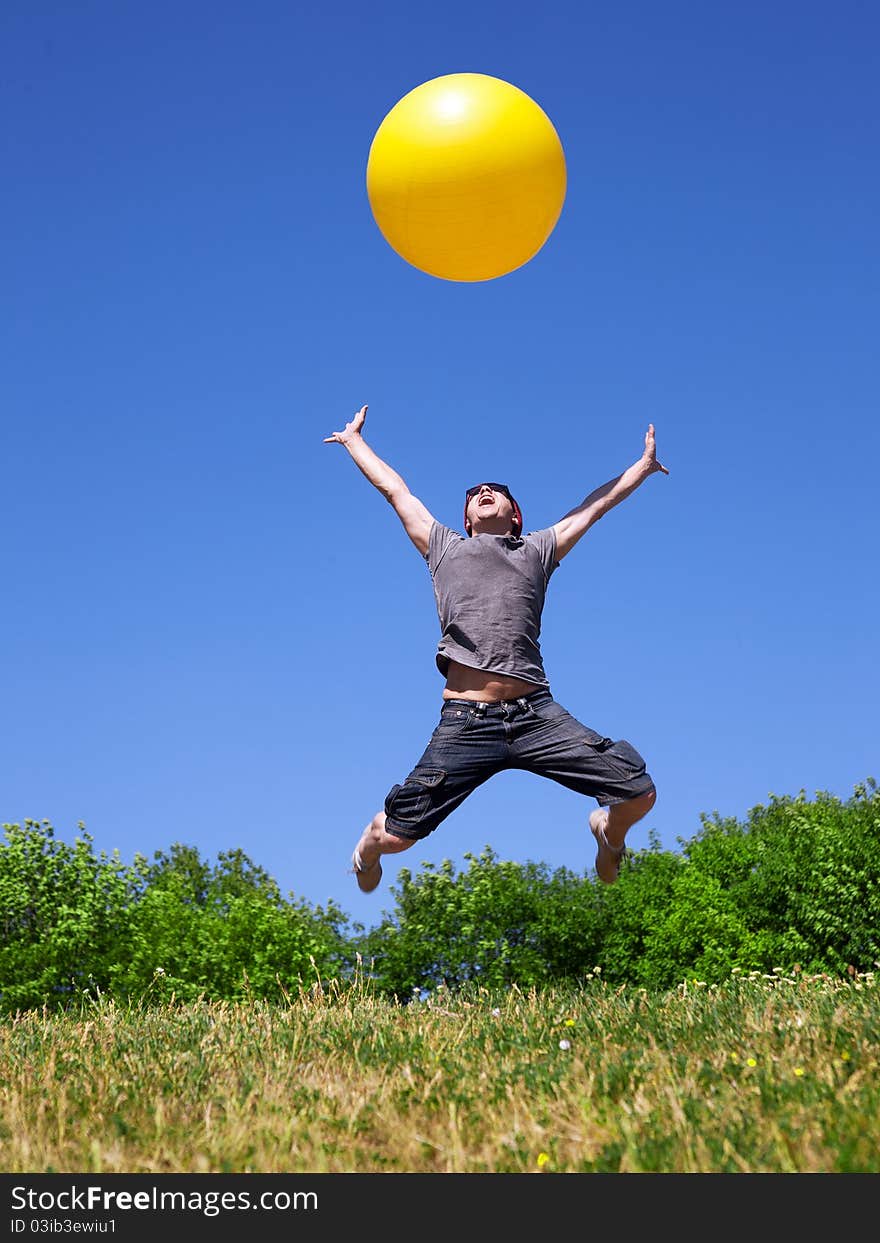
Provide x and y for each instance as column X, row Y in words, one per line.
column 768, row 1074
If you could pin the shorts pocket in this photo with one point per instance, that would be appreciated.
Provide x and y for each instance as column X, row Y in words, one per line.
column 453, row 720
column 620, row 760
column 430, row 778
column 627, row 757
column 550, row 712
column 409, row 803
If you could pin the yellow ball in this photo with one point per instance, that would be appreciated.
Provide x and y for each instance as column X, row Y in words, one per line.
column 466, row 177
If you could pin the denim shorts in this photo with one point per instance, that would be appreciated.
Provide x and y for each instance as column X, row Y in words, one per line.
column 473, row 741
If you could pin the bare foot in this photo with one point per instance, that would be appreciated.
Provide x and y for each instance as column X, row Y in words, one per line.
column 367, row 876
column 608, row 857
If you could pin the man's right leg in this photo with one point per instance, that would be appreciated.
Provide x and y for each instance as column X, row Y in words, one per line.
column 375, row 841
column 465, row 749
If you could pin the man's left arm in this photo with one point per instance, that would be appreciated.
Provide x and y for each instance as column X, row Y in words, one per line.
column 578, row 521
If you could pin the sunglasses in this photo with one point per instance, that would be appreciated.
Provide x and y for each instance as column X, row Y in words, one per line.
column 496, row 487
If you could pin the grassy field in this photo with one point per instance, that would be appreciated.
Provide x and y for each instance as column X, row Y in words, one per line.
column 768, row 1074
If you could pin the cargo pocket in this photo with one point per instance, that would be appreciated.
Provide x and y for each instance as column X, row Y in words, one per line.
column 410, row 803
column 627, row 757
column 620, row 759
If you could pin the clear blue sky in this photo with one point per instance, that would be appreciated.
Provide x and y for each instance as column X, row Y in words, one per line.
column 214, row 631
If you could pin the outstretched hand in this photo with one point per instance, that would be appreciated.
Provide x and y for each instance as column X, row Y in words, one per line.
column 649, row 457
column 351, row 429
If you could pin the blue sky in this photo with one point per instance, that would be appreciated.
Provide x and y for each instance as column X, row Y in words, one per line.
column 214, row 631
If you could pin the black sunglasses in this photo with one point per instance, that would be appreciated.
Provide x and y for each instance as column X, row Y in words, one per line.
column 496, row 487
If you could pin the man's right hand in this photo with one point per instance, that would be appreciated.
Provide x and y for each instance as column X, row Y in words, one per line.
column 409, row 509
column 351, row 429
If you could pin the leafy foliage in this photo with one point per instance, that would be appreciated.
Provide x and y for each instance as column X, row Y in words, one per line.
column 498, row 923
column 62, row 914
column 794, row 886
column 76, row 923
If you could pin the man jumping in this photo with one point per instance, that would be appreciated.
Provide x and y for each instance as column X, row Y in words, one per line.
column 497, row 711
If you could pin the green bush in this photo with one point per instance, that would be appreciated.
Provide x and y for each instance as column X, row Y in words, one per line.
column 796, row 885
column 63, row 913
column 501, row 923
column 223, row 932
column 76, row 923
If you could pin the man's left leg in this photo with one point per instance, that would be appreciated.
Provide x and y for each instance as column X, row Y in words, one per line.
column 554, row 744
column 610, row 826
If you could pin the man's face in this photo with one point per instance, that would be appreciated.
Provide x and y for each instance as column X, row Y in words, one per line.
column 489, row 508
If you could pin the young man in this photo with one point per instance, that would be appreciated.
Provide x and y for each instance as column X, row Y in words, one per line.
column 497, row 709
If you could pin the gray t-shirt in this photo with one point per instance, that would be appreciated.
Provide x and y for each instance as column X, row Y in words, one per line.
column 490, row 594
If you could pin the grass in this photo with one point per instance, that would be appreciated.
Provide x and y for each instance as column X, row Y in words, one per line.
column 765, row 1074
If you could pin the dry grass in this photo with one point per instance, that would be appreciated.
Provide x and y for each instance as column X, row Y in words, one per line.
column 761, row 1075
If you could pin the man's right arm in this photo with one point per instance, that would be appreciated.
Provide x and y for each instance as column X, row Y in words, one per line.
column 416, row 519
